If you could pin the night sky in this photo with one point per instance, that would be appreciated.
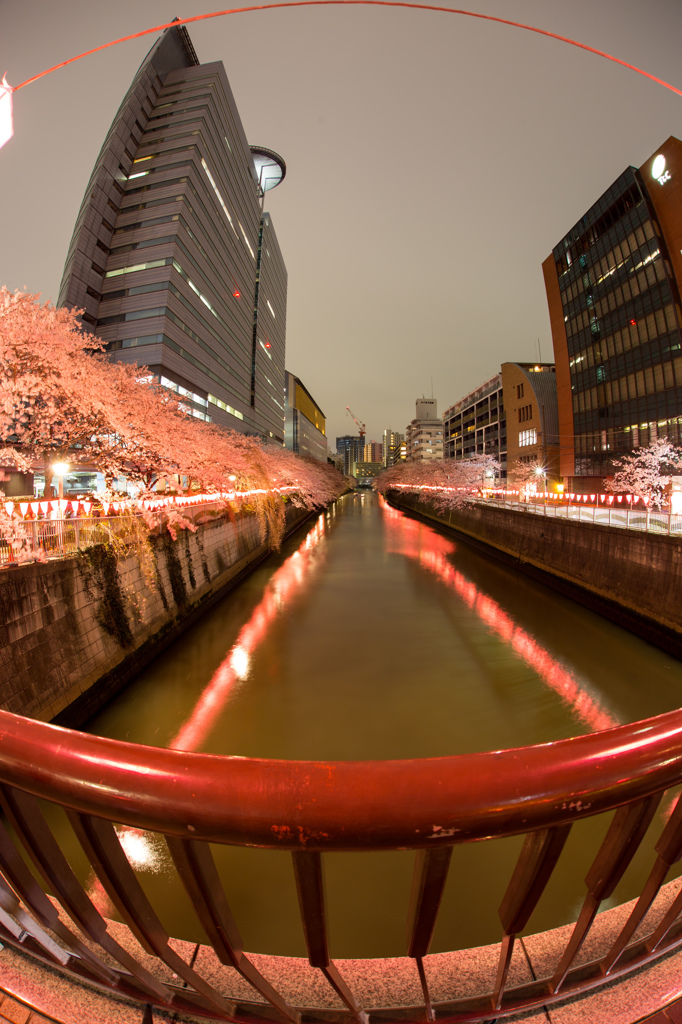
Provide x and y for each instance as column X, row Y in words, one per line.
column 433, row 161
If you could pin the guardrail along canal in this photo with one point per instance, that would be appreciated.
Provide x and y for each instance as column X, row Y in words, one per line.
column 373, row 636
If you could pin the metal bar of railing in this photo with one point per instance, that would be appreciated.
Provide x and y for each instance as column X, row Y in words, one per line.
column 309, row 808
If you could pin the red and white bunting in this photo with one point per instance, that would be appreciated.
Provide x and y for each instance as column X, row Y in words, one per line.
column 23, row 507
column 87, row 505
column 9, row 507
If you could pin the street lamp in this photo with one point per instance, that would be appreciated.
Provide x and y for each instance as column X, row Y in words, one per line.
column 60, row 469
column 541, row 471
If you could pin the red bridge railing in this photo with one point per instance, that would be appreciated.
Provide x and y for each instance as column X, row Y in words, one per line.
column 310, row 808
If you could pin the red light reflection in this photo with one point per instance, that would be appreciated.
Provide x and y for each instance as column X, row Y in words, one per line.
column 283, row 586
column 416, row 540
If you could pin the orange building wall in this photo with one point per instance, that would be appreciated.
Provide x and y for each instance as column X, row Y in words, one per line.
column 563, row 376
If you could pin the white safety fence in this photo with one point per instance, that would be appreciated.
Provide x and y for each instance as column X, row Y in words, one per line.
column 58, row 537
column 626, row 518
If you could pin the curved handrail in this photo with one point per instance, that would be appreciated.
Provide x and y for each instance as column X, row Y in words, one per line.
column 342, row 805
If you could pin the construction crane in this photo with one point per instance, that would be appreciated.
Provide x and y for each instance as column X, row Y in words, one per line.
column 361, row 426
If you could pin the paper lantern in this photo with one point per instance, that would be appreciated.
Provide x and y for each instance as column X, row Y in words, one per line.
column 44, row 507
column 620, row 497
column 74, row 506
column 87, row 505
column 106, row 506
column 35, row 507
column 628, row 498
column 9, row 507
column 23, row 506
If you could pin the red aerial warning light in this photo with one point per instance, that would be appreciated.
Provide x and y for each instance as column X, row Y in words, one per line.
column 267, row 344
column 236, row 295
column 634, row 323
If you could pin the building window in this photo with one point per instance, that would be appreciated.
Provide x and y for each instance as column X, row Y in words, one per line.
column 527, row 437
column 519, row 390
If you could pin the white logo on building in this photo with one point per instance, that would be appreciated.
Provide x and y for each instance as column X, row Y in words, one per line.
column 658, row 170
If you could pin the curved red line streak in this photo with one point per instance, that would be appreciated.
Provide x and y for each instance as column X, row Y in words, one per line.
column 418, row 542
column 365, row 3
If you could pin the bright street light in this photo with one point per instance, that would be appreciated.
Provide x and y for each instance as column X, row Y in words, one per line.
column 60, row 469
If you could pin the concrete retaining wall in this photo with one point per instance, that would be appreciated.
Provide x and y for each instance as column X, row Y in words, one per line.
column 633, row 578
column 74, row 631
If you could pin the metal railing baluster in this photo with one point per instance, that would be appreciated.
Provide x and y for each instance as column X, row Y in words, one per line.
column 198, row 873
column 620, row 844
column 430, row 875
column 102, row 845
column 538, row 857
column 310, row 889
column 18, row 875
column 31, row 827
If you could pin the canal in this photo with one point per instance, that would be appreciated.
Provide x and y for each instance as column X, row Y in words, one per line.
column 372, row 635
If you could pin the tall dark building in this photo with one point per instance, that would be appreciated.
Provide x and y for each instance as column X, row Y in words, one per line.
column 613, row 288
column 352, row 448
column 172, row 258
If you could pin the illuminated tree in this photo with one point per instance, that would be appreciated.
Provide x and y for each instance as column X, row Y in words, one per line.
column 61, row 399
column 448, row 483
column 647, row 471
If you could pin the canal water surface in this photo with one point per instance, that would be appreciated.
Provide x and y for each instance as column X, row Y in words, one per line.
column 372, row 635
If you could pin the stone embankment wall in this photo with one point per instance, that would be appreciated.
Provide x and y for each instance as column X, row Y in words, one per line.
column 633, row 578
column 74, row 631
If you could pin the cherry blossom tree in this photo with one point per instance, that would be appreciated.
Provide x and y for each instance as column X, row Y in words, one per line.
column 647, row 471
column 62, row 400
column 448, row 483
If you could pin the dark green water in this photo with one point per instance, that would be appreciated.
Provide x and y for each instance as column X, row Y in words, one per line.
column 374, row 636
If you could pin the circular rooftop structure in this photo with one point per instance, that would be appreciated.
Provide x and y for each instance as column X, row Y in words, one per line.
column 270, row 168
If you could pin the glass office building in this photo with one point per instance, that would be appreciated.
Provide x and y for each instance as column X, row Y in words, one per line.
column 173, row 259
column 614, row 299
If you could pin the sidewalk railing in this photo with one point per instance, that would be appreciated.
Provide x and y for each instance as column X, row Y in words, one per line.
column 61, row 537
column 309, row 809
column 651, row 521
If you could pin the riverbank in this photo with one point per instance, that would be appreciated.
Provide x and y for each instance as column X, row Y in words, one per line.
column 634, row 579
column 74, row 631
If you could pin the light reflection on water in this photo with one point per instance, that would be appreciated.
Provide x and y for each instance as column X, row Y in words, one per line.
column 376, row 636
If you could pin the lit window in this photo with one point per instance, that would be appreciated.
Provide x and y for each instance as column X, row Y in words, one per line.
column 220, row 198
column 140, row 174
column 270, row 307
column 138, row 266
column 253, row 256
column 225, row 407
column 527, row 437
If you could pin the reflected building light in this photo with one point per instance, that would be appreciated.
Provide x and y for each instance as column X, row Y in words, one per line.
column 284, row 585
column 417, row 541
